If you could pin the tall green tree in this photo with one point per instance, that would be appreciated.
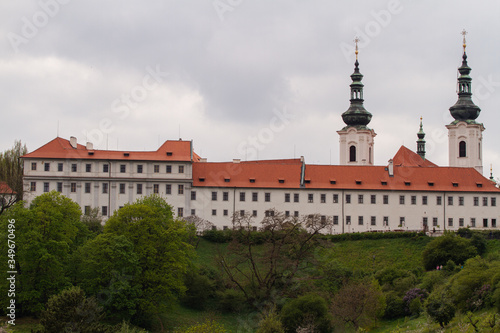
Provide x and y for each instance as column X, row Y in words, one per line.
column 11, row 172
column 162, row 248
column 447, row 247
column 46, row 233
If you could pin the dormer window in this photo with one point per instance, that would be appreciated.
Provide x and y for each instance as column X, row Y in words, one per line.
column 126, row 154
column 430, row 183
column 227, row 180
column 358, row 182
column 455, row 184
column 281, row 181
column 252, row 180
column 383, row 183
column 307, row 181
column 479, row 184
column 169, row 153
column 201, row 179
column 407, row 183
column 333, row 181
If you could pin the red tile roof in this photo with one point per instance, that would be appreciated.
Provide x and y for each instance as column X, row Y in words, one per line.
column 61, row 148
column 5, row 188
column 251, row 174
column 406, row 157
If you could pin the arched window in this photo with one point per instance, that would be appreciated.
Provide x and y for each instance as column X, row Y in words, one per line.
column 370, row 156
column 352, row 154
column 462, row 151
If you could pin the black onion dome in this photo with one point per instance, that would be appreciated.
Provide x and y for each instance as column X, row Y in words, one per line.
column 356, row 115
column 464, row 109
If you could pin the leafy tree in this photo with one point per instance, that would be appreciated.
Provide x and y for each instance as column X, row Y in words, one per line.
column 108, row 268
column 160, row 243
column 285, row 249
column 11, row 172
column 440, row 307
column 199, row 288
column 46, row 234
column 358, row 304
column 93, row 221
column 447, row 247
column 307, row 310
column 71, row 311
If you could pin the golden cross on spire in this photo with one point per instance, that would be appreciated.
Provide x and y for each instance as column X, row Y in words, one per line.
column 356, row 41
column 463, row 33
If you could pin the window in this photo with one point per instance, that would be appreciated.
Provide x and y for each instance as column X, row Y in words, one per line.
column 88, row 167
column 401, row 221
column 214, row 196
column 46, row 166
column 386, row 221
column 269, row 213
column 105, row 168
column 348, row 220
column 59, row 167
column 460, row 201
column 104, row 188
column 360, row 220
column 242, row 196
column 450, row 222
column 255, row 196
column 485, row 223
column 139, row 188
column 439, row 200
column 347, row 198
column 450, row 201
column 360, row 198
column 193, row 195
column 156, row 169
column 73, row 187
column 254, row 213
column 323, row 198
column 493, row 202
column 122, row 188
column 401, row 199
column 335, row 198
column 123, row 168
column 485, row 201
column 434, row 221
column 168, row 189
column 352, row 154
column 296, row 213
column 424, row 200
column 373, row 199
column 193, row 212
column 413, row 199
column 87, row 187
column 214, row 212
column 87, row 210
column 335, row 220
column 287, row 197
column 169, row 169
column 139, row 168
column 156, row 188
column 104, row 210
column 386, row 199
column 476, row 201
column 310, row 197
column 73, row 167
column 462, row 149
column 295, row 197
column 424, row 221
column 461, row 222
column 225, row 212
column 225, row 196
column 473, row 222
column 33, row 166
column 181, row 168
column 287, row 213
column 493, row 223
column 180, row 212
column 373, row 220
column 59, row 187
column 180, row 189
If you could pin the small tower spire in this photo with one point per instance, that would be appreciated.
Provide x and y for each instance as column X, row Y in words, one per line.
column 491, row 173
column 421, row 141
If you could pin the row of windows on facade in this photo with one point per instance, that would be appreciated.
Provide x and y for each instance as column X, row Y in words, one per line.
column 105, row 167
column 267, row 195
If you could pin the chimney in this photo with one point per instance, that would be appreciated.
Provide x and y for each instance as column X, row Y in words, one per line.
column 203, row 160
column 390, row 168
column 90, row 146
column 72, row 142
column 236, row 160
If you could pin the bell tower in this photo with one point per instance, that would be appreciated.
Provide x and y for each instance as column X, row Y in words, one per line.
column 356, row 139
column 465, row 136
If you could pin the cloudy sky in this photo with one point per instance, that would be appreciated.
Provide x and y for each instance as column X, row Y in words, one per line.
column 243, row 78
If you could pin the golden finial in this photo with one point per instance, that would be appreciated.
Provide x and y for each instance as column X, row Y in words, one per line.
column 464, row 32
column 356, row 41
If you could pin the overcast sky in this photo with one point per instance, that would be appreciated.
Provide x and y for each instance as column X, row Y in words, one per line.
column 244, row 78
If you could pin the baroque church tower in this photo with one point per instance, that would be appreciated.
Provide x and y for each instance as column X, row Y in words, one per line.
column 356, row 139
column 464, row 133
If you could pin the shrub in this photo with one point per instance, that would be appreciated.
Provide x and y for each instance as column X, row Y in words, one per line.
column 199, row 290
column 440, row 307
column 270, row 323
column 395, row 306
column 231, row 300
column 447, row 247
column 218, row 236
column 208, row 326
column 310, row 309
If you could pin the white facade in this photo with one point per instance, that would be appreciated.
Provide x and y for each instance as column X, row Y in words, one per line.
column 356, row 146
column 466, row 145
